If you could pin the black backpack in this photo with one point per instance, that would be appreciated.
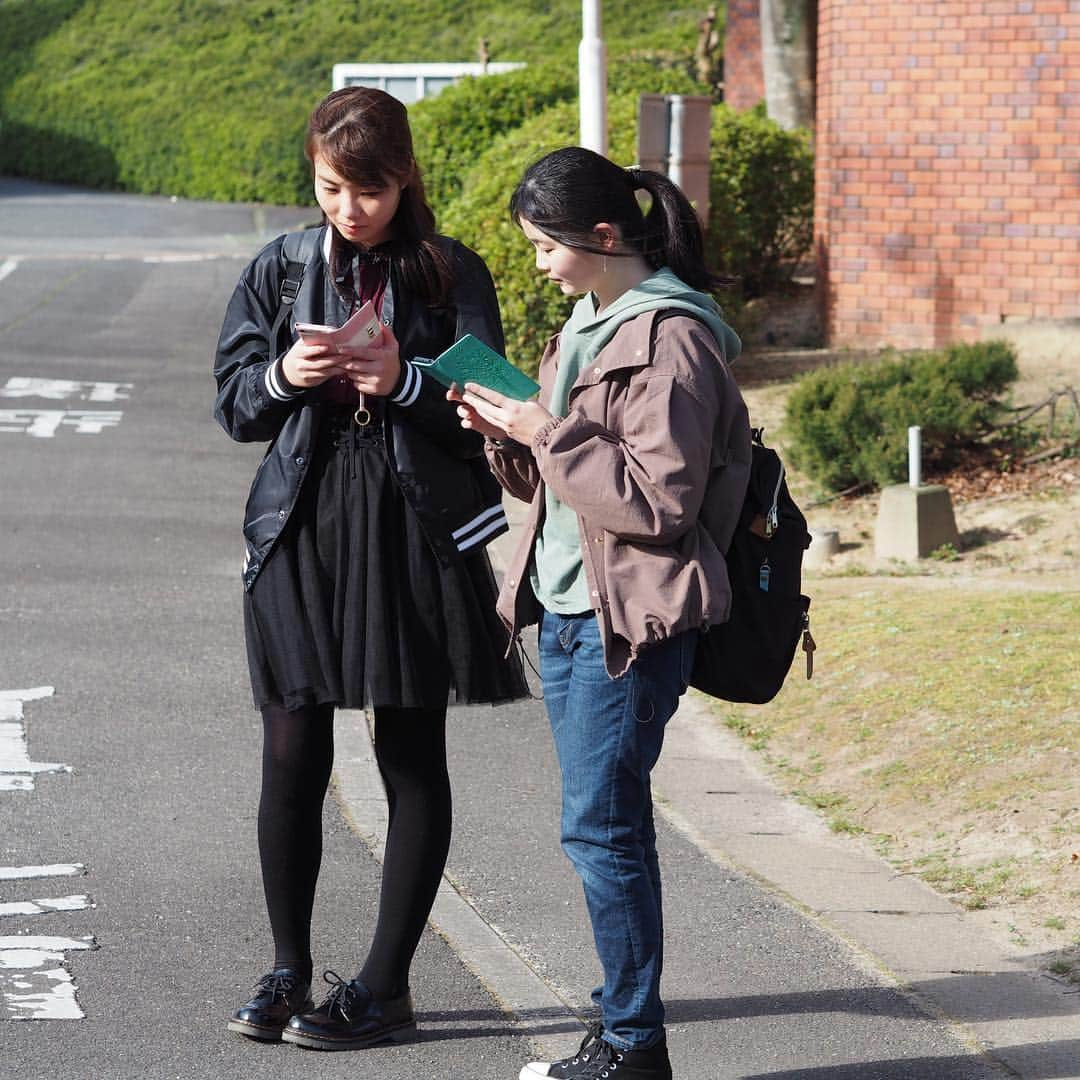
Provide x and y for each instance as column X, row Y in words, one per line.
column 299, row 250
column 748, row 657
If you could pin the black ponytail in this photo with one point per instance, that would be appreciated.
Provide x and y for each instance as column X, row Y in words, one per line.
column 568, row 192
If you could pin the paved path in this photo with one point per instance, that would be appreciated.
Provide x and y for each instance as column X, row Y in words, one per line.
column 130, row 908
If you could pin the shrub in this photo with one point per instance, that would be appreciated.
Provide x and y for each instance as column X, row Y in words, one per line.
column 532, row 308
column 749, row 238
column 848, row 424
column 451, row 131
column 761, row 199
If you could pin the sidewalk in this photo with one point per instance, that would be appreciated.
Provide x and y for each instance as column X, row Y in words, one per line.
column 709, row 787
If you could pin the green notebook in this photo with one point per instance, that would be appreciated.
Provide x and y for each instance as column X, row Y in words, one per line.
column 470, row 360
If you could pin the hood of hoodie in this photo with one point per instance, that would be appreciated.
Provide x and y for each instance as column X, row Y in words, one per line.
column 662, row 290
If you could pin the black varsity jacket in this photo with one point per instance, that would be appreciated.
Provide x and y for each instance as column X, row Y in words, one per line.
column 440, row 467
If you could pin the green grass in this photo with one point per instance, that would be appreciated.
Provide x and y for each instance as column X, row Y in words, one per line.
column 208, row 98
column 935, row 715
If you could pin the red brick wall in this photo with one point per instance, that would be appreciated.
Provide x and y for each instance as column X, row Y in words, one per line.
column 744, row 81
column 948, row 167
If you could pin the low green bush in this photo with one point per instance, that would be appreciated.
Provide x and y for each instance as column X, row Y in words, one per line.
column 848, row 424
column 453, row 130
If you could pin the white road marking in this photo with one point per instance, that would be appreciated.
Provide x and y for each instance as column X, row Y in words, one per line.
column 7, row 267
column 31, row 943
column 34, row 985
column 75, row 902
column 17, row 771
column 32, row 989
column 20, row 873
column 22, row 386
column 44, row 423
column 41, row 994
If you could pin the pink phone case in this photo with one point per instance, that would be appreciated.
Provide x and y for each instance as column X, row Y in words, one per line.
column 361, row 328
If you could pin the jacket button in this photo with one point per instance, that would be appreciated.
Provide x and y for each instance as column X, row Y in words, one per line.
column 299, row 461
column 595, row 593
column 596, row 539
column 512, row 583
column 281, row 513
column 596, row 371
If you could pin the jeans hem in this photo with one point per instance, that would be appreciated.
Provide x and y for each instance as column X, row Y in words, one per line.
column 628, row 1047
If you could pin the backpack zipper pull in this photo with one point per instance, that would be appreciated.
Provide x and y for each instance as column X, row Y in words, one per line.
column 808, row 645
column 772, row 518
column 763, row 575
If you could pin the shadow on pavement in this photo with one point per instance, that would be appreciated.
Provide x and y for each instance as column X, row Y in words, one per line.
column 990, row 996
column 1039, row 1061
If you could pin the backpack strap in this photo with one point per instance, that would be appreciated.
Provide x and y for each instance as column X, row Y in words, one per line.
column 299, row 250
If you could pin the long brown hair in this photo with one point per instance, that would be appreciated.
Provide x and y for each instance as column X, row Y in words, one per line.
column 363, row 135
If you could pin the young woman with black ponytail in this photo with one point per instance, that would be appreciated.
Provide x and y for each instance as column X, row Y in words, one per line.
column 638, row 417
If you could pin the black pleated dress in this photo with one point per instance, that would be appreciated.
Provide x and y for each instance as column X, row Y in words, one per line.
column 353, row 608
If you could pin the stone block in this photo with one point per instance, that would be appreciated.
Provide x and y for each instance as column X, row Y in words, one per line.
column 913, row 522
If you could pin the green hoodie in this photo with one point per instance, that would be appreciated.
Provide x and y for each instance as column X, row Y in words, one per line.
column 557, row 574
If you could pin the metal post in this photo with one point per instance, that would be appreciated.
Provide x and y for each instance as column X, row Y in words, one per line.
column 914, row 456
column 592, row 80
column 673, row 138
column 691, row 124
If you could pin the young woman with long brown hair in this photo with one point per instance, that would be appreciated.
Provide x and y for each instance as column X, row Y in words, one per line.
column 366, row 580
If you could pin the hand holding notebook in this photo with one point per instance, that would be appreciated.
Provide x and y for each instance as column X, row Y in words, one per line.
column 470, row 360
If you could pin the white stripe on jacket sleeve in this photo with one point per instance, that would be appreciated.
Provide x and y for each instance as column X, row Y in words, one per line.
column 276, row 386
column 410, row 389
column 470, row 534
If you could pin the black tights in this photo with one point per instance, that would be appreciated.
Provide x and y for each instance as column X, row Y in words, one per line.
column 298, row 753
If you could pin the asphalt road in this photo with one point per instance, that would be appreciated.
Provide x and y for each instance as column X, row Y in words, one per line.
column 122, row 675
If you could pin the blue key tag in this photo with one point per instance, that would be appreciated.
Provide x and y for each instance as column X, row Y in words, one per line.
column 763, row 576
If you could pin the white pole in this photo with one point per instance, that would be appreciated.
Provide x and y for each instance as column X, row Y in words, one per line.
column 914, row 457
column 592, row 79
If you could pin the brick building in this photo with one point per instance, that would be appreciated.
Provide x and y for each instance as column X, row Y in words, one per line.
column 948, row 163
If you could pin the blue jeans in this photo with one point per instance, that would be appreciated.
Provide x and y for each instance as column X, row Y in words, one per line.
column 608, row 734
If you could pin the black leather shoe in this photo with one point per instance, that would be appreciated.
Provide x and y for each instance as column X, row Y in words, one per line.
column 350, row 1018
column 281, row 994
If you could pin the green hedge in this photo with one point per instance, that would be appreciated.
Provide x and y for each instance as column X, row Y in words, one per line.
column 208, row 98
column 761, row 199
column 848, row 424
column 532, row 308
column 453, row 130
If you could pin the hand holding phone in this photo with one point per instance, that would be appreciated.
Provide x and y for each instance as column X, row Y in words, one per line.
column 361, row 328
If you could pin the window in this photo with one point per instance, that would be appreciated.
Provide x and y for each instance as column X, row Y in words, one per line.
column 410, row 82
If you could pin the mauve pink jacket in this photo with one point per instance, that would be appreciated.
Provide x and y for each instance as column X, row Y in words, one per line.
column 654, row 456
